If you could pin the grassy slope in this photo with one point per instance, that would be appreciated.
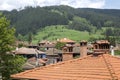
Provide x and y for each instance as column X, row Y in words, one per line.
column 60, row 31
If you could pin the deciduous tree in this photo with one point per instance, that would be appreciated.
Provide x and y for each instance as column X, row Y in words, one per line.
column 8, row 63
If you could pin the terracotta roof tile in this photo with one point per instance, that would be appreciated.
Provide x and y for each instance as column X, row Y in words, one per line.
column 25, row 50
column 66, row 40
column 103, row 42
column 103, row 67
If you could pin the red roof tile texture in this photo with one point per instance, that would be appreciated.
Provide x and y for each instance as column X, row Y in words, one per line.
column 66, row 40
column 103, row 42
column 103, row 67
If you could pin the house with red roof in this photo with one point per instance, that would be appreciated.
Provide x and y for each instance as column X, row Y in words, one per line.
column 102, row 66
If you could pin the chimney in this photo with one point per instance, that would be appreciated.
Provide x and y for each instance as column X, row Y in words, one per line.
column 67, row 53
column 83, row 48
column 112, row 50
column 16, row 48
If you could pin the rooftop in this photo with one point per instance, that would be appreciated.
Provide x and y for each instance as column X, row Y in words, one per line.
column 25, row 50
column 103, row 42
column 48, row 45
column 66, row 40
column 53, row 51
column 102, row 67
column 44, row 41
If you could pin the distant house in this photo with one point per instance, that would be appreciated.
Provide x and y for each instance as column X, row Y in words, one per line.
column 67, row 41
column 101, row 46
column 46, row 45
column 30, row 52
column 43, row 42
column 53, row 55
column 67, row 52
column 101, row 67
column 34, row 57
column 33, row 46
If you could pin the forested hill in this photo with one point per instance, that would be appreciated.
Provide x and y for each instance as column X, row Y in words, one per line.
column 31, row 19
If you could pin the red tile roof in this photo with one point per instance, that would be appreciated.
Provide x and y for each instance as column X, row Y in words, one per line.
column 103, row 67
column 25, row 50
column 66, row 40
column 103, row 42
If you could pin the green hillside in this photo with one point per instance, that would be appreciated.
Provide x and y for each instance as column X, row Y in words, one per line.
column 31, row 19
column 60, row 31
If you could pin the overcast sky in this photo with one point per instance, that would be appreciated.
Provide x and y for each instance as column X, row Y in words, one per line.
column 102, row 4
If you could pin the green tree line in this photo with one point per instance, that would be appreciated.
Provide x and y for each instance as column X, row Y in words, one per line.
column 30, row 19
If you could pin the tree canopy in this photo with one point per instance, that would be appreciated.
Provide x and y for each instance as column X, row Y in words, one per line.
column 81, row 24
column 9, row 64
column 59, row 45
